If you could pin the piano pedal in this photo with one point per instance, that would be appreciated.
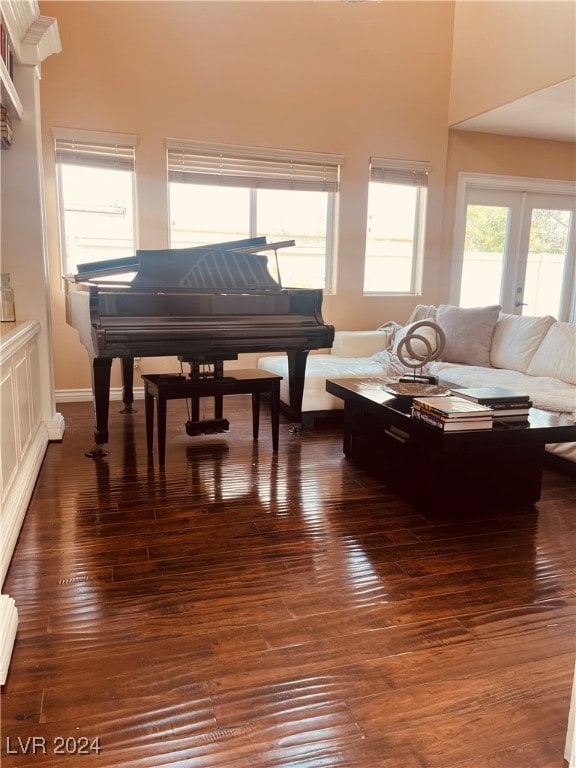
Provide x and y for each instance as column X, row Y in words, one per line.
column 207, row 427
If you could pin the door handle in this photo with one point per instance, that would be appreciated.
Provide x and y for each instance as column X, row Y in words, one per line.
column 520, row 303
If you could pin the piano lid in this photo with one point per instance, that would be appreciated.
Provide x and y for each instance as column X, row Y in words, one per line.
column 235, row 265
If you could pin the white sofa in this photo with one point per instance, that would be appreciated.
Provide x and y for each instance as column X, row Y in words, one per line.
column 484, row 347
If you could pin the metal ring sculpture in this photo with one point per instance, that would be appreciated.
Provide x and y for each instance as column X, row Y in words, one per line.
column 419, row 359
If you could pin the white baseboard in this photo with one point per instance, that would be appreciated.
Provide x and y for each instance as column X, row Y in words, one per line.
column 570, row 750
column 85, row 395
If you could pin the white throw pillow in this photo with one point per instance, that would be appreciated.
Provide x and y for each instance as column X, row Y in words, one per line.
column 516, row 339
column 468, row 333
column 556, row 355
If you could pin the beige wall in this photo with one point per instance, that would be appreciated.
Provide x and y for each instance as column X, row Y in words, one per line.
column 506, row 49
column 357, row 79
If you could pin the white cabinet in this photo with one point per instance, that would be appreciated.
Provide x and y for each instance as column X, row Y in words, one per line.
column 24, row 437
column 24, row 434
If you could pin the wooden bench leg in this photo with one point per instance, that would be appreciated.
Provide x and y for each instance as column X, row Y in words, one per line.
column 255, row 414
column 161, row 429
column 275, row 413
column 149, row 410
column 195, row 408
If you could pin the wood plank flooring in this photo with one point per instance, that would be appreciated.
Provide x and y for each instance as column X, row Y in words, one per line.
column 245, row 609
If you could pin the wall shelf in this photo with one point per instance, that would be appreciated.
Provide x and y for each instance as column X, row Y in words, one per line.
column 8, row 93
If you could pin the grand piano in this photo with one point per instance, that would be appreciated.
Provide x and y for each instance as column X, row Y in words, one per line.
column 204, row 305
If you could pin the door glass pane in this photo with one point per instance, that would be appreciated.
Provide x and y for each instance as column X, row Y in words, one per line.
column 546, row 257
column 484, row 248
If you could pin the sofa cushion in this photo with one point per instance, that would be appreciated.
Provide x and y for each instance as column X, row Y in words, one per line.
column 360, row 343
column 516, row 338
column 556, row 355
column 468, row 333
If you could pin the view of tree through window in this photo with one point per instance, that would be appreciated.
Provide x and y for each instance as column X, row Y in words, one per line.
column 549, row 231
column 486, row 229
column 484, row 248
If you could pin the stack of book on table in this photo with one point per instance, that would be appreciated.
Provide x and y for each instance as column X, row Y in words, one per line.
column 506, row 404
column 452, row 413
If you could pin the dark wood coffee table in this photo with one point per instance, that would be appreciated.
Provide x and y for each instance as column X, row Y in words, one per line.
column 502, row 465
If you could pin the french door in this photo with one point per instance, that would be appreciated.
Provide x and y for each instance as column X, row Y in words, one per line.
column 515, row 246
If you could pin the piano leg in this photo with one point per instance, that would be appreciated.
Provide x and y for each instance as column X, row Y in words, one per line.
column 128, row 385
column 296, row 370
column 101, row 367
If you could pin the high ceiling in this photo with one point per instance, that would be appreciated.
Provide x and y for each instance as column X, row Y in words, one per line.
column 546, row 114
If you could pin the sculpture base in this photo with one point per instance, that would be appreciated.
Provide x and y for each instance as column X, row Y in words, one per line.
column 410, row 379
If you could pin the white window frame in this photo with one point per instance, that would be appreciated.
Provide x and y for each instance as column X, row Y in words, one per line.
column 261, row 168
column 491, row 182
column 405, row 173
column 94, row 149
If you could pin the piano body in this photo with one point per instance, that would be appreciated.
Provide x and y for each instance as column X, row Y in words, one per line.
column 204, row 305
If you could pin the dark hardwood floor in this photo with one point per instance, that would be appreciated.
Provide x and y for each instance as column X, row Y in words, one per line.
column 249, row 610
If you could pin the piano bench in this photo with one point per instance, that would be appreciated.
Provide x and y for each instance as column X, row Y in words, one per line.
column 163, row 387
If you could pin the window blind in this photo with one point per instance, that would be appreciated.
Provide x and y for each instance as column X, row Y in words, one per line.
column 97, row 150
column 253, row 167
column 404, row 172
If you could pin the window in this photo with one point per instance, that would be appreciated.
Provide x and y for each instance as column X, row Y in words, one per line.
column 95, row 173
column 222, row 192
column 396, row 220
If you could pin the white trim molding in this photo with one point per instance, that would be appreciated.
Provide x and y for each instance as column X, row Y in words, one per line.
column 515, row 183
column 33, row 36
column 85, row 395
column 570, row 749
